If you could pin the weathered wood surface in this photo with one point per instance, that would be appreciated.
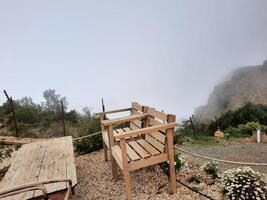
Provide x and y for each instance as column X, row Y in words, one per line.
column 40, row 161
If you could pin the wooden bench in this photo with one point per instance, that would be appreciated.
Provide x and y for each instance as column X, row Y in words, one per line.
column 134, row 124
column 150, row 144
column 44, row 168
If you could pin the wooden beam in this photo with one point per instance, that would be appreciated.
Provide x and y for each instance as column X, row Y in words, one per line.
column 146, row 130
column 114, row 111
column 124, row 119
column 170, row 151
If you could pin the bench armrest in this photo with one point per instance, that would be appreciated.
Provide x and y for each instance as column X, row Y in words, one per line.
column 124, row 119
column 141, row 131
column 113, row 111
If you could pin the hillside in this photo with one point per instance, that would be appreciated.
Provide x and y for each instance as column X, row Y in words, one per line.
column 246, row 84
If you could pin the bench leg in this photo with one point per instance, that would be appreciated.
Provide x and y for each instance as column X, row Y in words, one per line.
column 172, row 178
column 127, row 180
column 114, row 167
column 105, row 152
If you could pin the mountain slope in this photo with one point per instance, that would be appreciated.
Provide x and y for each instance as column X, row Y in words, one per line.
column 246, row 84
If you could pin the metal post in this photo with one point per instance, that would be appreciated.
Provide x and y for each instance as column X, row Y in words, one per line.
column 103, row 107
column 193, row 127
column 14, row 113
column 63, row 118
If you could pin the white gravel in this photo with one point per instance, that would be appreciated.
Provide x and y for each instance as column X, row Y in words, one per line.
column 95, row 182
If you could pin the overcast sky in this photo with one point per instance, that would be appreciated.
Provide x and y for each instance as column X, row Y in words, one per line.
column 167, row 54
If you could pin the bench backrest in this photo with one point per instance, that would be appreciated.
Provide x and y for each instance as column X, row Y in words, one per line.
column 136, row 108
column 158, row 138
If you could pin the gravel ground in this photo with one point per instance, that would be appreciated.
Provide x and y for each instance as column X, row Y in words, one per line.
column 95, row 182
column 239, row 151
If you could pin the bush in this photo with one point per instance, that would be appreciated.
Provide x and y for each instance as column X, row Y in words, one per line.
column 211, row 168
column 243, row 183
column 248, row 127
column 88, row 145
column 5, row 152
column 179, row 162
column 233, row 132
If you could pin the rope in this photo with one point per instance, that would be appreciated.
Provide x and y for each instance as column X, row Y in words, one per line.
column 194, row 190
column 93, row 134
column 218, row 160
column 86, row 136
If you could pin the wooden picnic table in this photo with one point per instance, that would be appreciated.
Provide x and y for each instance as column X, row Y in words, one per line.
column 41, row 161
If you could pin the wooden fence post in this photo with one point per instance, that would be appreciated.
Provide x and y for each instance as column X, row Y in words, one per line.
column 63, row 118
column 13, row 111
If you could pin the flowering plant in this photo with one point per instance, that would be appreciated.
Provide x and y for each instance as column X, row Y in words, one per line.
column 211, row 168
column 243, row 183
column 179, row 162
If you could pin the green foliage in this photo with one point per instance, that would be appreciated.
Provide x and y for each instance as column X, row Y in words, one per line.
column 88, row 145
column 233, row 132
column 26, row 114
column 211, row 168
column 243, row 183
column 243, row 130
column 179, row 162
column 248, row 113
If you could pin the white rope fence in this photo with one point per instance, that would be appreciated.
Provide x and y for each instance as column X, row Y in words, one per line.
column 86, row 136
column 219, row 160
column 93, row 134
column 190, row 153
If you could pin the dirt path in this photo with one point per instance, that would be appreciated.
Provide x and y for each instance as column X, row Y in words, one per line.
column 243, row 152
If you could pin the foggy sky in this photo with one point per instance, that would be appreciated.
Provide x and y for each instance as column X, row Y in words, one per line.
column 167, row 54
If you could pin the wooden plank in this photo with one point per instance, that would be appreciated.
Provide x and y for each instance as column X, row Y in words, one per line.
column 116, row 152
column 149, row 148
column 40, row 161
column 105, row 138
column 133, row 126
column 114, row 111
column 152, row 121
column 138, row 149
column 131, row 153
column 34, row 169
column 158, row 136
column 155, row 143
column 50, row 165
column 126, row 129
column 170, row 151
column 31, row 168
column 136, row 106
column 157, row 114
column 125, row 170
column 147, row 130
column 148, row 162
column 123, row 119
column 70, row 162
column 137, row 123
column 121, row 131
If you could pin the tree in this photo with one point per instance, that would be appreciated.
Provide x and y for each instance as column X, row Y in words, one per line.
column 26, row 101
column 27, row 114
column 53, row 101
column 72, row 116
column 88, row 112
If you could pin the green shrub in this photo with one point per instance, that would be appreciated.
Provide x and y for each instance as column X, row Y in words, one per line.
column 248, row 127
column 233, row 132
column 211, row 168
column 88, row 145
column 243, row 183
column 5, row 152
column 179, row 162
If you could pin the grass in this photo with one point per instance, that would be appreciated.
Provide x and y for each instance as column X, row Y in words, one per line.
column 200, row 139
